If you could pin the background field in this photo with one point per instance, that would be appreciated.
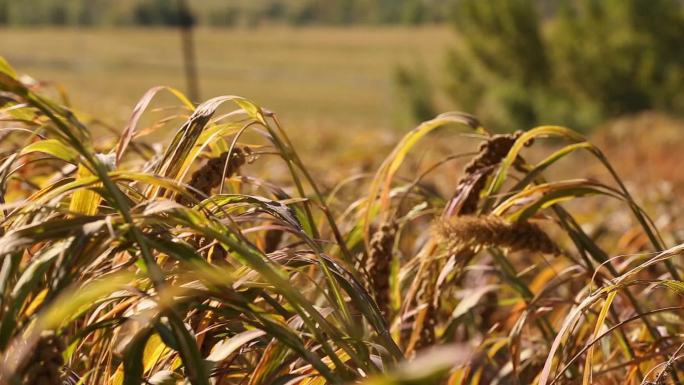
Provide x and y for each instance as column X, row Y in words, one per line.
column 318, row 78
column 333, row 87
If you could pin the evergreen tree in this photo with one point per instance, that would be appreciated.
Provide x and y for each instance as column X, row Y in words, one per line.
column 593, row 60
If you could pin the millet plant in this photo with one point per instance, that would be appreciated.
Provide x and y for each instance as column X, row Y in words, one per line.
column 217, row 258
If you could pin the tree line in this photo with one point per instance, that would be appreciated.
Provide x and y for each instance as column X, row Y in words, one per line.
column 517, row 65
column 223, row 13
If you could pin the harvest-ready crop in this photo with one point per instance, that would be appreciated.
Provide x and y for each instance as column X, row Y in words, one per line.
column 216, row 257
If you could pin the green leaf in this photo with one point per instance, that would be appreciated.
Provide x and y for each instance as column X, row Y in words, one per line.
column 72, row 302
column 6, row 68
column 677, row 286
column 27, row 283
column 195, row 367
column 52, row 147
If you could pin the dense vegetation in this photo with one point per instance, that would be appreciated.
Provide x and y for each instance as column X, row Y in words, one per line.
column 217, row 257
column 223, row 13
column 590, row 61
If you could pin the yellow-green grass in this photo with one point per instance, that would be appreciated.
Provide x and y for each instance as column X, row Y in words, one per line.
column 155, row 265
column 328, row 79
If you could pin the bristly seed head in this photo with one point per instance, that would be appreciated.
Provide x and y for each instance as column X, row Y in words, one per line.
column 211, row 174
column 379, row 265
column 469, row 231
column 491, row 153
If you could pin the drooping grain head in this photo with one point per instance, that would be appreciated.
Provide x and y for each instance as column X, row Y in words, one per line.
column 209, row 176
column 463, row 232
column 491, row 153
column 379, row 265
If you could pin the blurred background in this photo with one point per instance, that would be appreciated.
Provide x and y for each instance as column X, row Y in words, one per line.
column 347, row 76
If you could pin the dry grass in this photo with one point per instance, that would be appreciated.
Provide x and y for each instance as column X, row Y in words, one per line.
column 648, row 147
column 97, row 253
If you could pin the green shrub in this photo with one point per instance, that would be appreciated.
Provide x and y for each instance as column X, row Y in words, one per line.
column 414, row 90
column 588, row 61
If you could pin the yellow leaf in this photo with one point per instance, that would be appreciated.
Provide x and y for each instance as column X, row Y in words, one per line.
column 599, row 324
column 52, row 147
column 33, row 306
column 84, row 201
column 117, row 378
column 154, row 349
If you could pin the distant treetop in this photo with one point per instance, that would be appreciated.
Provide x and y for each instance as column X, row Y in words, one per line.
column 223, row 13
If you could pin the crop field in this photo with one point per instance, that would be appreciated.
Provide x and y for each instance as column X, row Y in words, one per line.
column 326, row 78
column 297, row 234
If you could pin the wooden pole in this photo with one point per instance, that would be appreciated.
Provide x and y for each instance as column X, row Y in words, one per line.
column 186, row 23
